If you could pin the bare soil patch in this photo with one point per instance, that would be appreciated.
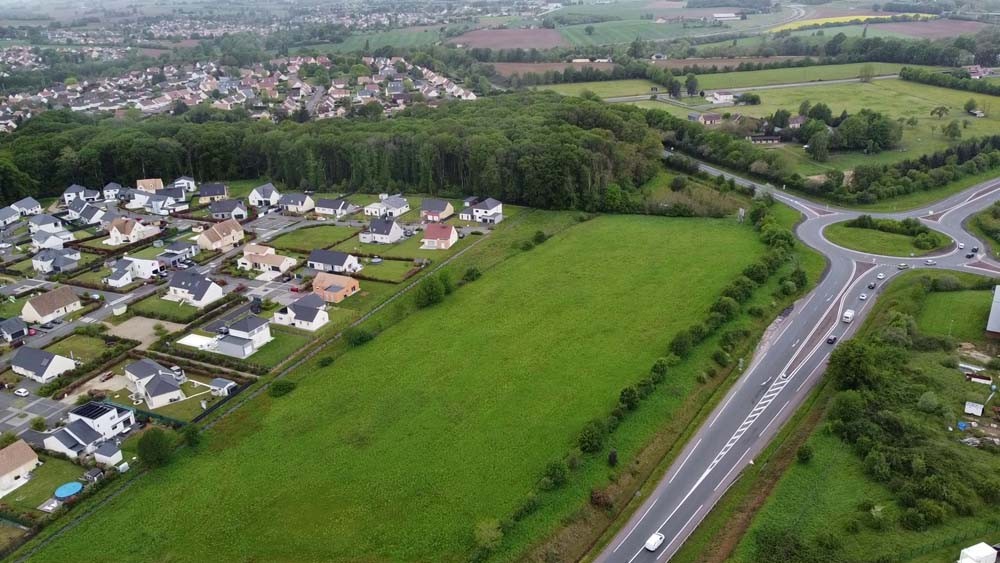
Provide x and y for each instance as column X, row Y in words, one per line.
column 141, row 329
column 934, row 29
column 510, row 38
column 507, row 69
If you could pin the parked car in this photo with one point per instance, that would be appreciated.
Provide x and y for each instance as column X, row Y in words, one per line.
column 57, row 321
column 5, row 245
column 182, row 266
column 295, row 289
column 22, row 392
column 107, row 376
column 222, row 330
column 47, row 326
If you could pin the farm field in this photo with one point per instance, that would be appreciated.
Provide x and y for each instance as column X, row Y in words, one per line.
column 403, row 38
column 751, row 78
column 462, row 440
column 504, row 38
column 673, row 109
column 605, row 89
column 722, row 62
column 832, row 20
column 507, row 69
column 876, row 242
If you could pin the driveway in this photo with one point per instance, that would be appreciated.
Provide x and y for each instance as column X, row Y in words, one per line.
column 16, row 413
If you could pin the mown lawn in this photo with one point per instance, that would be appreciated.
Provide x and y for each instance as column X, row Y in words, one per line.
column 286, row 342
column 400, row 447
column 877, row 242
column 79, row 346
column 171, row 310
column 388, row 270
column 313, row 237
column 959, row 314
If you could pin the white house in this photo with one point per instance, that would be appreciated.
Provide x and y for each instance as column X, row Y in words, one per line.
column 296, row 203
column 55, row 260
column 186, row 183
column 17, row 461
column 9, row 216
column 39, row 365
column 388, row 206
column 44, row 223
column 381, row 231
column 27, row 206
column 244, row 337
column 128, row 270
column 50, row 305
column 323, row 260
column 107, row 420
column 335, row 207
column 154, row 384
column 195, row 289
column 488, row 211
column 228, row 209
column 308, row 313
column 723, row 97
column 263, row 258
column 111, row 191
column 264, row 196
column 77, row 191
column 45, row 239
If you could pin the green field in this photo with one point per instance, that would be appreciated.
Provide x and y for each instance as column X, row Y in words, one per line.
column 171, row 310
column 400, row 38
column 606, row 89
column 959, row 314
column 409, row 439
column 312, row 237
column 751, row 78
column 877, row 242
column 78, row 346
column 388, row 270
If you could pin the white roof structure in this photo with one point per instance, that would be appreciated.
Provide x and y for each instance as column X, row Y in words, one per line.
column 993, row 324
column 979, row 553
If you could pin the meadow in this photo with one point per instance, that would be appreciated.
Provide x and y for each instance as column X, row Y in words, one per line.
column 445, row 419
column 877, row 242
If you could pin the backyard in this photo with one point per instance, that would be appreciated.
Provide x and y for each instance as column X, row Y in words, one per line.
column 79, row 347
column 154, row 307
column 43, row 484
column 406, row 248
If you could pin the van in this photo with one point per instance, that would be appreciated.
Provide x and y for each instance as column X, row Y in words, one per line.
column 848, row 316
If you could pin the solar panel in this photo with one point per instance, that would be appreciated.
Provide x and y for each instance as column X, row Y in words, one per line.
column 91, row 410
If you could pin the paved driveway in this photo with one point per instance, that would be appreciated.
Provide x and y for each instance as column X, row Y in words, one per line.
column 16, row 413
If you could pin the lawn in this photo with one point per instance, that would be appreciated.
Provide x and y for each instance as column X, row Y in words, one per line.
column 959, row 314
column 313, row 237
column 44, row 482
column 388, row 270
column 877, row 242
column 171, row 310
column 13, row 308
column 286, row 343
column 407, row 248
column 460, row 429
column 190, row 407
column 78, row 346
column 793, row 75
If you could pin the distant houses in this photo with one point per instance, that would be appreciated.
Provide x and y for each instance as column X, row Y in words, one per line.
column 296, row 203
column 55, row 260
column 388, row 206
column 335, row 207
column 264, row 259
column 229, row 209
column 27, row 206
column 212, row 192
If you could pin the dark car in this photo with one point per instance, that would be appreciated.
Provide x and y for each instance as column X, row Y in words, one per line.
column 831, row 340
column 871, row 285
column 222, row 330
column 970, row 255
column 47, row 326
column 975, row 249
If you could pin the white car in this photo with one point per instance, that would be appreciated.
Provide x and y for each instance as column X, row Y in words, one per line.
column 22, row 392
column 5, row 245
column 654, row 542
column 961, row 245
column 881, row 276
column 930, row 262
column 863, row 296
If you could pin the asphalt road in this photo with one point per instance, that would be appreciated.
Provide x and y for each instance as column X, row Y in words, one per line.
column 786, row 366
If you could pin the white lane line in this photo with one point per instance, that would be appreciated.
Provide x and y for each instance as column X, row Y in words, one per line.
column 686, row 458
column 773, row 418
column 731, row 469
column 636, row 524
column 679, row 532
column 723, row 409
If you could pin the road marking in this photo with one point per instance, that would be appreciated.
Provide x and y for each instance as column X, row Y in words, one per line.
column 773, row 418
column 679, row 532
column 796, row 343
column 686, row 458
column 636, row 525
column 731, row 469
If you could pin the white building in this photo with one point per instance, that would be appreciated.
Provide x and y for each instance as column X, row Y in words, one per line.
column 308, row 313
column 39, row 365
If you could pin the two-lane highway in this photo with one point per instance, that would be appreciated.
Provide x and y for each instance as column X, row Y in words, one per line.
column 786, row 366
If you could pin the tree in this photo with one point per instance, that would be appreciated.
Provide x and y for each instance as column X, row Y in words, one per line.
column 471, row 274
column 970, row 105
column 804, row 453
column 804, row 107
column 867, row 72
column 691, row 84
column 38, row 424
column 629, row 398
column 819, row 146
column 591, row 438
column 953, row 130
column 853, row 366
column 940, row 111
column 780, row 118
column 430, row 292
column 637, row 49
column 155, row 447
column 589, row 30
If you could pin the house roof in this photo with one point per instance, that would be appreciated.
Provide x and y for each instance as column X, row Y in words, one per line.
column 145, row 368
column 226, row 206
column 32, row 359
column 395, row 202
column 331, row 257
column 83, row 432
column 332, row 203
column 436, row 231
column 47, row 303
column 67, row 439
column 181, row 245
column 433, row 205
column 222, row 230
column 149, row 184
column 248, row 324
column 307, row 307
column 292, row 199
column 266, row 190
column 162, row 384
column 488, row 203
column 107, row 449
column 220, row 383
column 381, row 226
column 331, row 282
column 43, row 219
column 92, row 410
column 194, row 283
column 123, row 225
column 112, row 186
column 12, row 325
column 212, row 190
column 26, row 203
column 9, row 213
column 16, row 455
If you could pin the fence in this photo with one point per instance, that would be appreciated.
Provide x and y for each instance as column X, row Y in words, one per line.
column 956, row 540
column 148, row 414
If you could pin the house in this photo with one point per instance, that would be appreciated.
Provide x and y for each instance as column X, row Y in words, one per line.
column 186, row 183
column 307, row 313
column 222, row 235
column 705, row 118
column 263, row 258
column 264, row 196
column 42, row 240
column 335, row 207
column 797, row 121
column 151, row 185
column 332, row 261
column 154, row 384
column 388, row 206
column 296, row 203
column 381, row 231
column 993, row 322
column 50, row 305
column 111, row 191
column 9, row 216
column 127, row 270
column 27, row 206
column 44, row 223
column 439, row 237
column 488, row 211
column 178, row 251
column 221, row 387
column 435, row 210
column 107, row 454
column 13, row 329
column 77, row 191
column 212, row 192
column 228, row 209
column 333, row 288
column 245, row 337
column 722, row 97
column 77, row 208
column 763, row 139
column 107, row 420
column 39, row 365
column 165, row 203
column 73, row 440
column 128, row 231
column 55, row 260
column 977, row 113
column 91, row 215
column 17, row 461
column 192, row 288
column 977, row 72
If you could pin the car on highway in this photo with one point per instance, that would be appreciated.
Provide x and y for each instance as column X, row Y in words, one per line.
column 831, row 340
column 902, row 266
column 871, row 285
column 970, row 255
column 880, row 276
column 930, row 262
column 863, row 296
column 654, row 542
column 22, row 392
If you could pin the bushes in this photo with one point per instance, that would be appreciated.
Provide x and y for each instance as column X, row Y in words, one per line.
column 591, row 439
column 356, row 336
column 804, row 454
column 281, row 388
column 155, row 447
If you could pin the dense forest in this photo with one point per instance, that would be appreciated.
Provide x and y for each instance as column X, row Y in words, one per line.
column 535, row 149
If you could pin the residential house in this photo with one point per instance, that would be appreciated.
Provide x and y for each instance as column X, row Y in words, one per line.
column 435, row 210
column 334, row 288
column 13, row 329
column 763, row 139
column 46, row 223
column 439, row 237
column 127, row 270
column 107, row 420
column 335, row 207
column 17, row 461
column 51, row 305
column 307, row 313
column 381, row 231
column 222, row 235
column 192, row 288
column 264, row 196
column 977, row 72
column 107, row 454
column 9, row 216
column 722, row 97
column 296, row 203
column 488, row 211
column 73, row 440
column 263, row 258
column 81, row 211
column 705, row 118
column 244, row 337
column 55, row 260
column 154, row 384
column 212, row 192
column 332, row 261
column 186, row 183
column 111, row 191
column 166, row 202
column 228, row 209
column 44, row 239
column 797, row 121
column 39, row 365
column 178, row 251
column 128, row 231
column 388, row 206
column 150, row 185
column 77, row 191
column 27, row 206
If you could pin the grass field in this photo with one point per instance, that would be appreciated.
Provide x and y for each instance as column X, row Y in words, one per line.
column 400, row 38
column 618, row 32
column 388, row 270
column 78, row 346
column 877, row 242
column 606, row 89
column 312, row 237
column 172, row 310
column 960, row 314
column 402, row 423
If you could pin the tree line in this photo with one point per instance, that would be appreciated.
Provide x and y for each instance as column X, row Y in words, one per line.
column 946, row 80
column 536, row 149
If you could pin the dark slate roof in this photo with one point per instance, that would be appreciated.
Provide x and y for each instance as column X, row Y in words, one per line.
column 221, row 383
column 13, row 325
column 113, row 186
column 161, row 384
column 83, row 431
column 176, row 193
column 32, row 359
column 8, row 213
column 107, row 449
column 92, row 410
column 180, row 245
column 307, row 307
column 26, row 203
column 225, row 206
column 292, row 199
column 67, row 439
column 191, row 281
column 212, row 190
column 487, row 203
column 145, row 368
column 43, row 219
column 332, row 204
column 248, row 323
column 331, row 257
column 266, row 190
column 381, row 226
column 433, row 205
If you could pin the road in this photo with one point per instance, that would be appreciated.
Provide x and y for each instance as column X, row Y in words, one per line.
column 786, row 366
